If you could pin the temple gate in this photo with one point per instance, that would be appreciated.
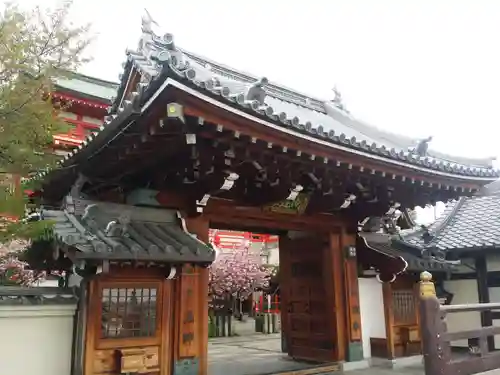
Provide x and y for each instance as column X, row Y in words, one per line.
column 220, row 148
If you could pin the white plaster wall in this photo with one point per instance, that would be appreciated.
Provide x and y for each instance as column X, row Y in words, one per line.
column 465, row 291
column 493, row 263
column 495, row 297
column 371, row 303
column 36, row 339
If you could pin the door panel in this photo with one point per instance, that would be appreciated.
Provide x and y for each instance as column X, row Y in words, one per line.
column 305, row 314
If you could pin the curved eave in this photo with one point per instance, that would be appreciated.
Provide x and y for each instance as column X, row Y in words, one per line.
column 413, row 262
column 131, row 111
column 170, row 82
column 388, row 264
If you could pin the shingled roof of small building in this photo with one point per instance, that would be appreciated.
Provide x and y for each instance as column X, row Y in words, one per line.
column 470, row 223
column 107, row 231
column 161, row 64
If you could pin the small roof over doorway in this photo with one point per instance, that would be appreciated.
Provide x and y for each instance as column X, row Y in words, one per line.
column 105, row 231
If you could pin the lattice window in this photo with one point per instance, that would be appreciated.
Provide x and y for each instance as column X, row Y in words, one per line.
column 404, row 307
column 128, row 312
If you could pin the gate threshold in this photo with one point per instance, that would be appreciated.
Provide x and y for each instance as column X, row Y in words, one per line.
column 319, row 370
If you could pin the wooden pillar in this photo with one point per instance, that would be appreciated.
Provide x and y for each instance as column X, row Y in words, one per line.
column 389, row 320
column 192, row 317
column 354, row 345
column 483, row 294
column 334, row 281
column 285, row 279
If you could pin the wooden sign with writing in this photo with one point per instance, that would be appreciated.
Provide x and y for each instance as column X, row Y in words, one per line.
column 188, row 313
column 352, row 292
column 295, row 207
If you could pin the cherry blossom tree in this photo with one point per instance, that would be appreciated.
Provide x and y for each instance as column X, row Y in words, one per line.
column 237, row 274
column 14, row 271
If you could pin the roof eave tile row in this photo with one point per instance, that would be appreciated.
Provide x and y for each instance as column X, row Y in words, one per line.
column 167, row 60
column 171, row 66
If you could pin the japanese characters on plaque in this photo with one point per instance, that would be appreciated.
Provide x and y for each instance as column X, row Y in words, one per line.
column 188, row 308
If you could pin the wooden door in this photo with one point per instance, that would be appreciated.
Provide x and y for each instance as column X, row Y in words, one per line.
column 128, row 327
column 306, row 324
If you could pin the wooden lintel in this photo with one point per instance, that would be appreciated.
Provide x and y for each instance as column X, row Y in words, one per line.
column 226, row 212
column 222, row 211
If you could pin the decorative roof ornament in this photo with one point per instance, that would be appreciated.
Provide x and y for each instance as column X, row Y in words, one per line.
column 423, row 146
column 148, row 22
column 256, row 91
column 167, row 54
column 337, row 99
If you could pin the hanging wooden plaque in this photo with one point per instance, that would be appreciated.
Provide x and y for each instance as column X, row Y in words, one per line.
column 295, row 207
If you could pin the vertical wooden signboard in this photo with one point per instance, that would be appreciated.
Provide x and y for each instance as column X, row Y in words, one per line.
column 353, row 312
column 352, row 293
column 188, row 313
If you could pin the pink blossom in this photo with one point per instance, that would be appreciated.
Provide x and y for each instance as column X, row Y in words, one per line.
column 14, row 270
column 237, row 273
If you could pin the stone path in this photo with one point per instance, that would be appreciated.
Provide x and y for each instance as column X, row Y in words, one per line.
column 249, row 355
column 261, row 355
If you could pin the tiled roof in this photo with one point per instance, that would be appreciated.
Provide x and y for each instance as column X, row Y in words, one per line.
column 161, row 64
column 283, row 106
column 467, row 224
column 89, row 86
column 120, row 232
column 490, row 189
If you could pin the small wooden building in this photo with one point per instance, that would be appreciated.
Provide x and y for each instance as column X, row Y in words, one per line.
column 399, row 269
column 467, row 234
column 229, row 150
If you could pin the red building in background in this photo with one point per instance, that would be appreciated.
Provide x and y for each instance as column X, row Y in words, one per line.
column 86, row 100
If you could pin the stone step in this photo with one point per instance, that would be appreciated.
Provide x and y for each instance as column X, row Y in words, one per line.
column 319, row 370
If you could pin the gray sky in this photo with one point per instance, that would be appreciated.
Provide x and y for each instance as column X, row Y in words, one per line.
column 419, row 67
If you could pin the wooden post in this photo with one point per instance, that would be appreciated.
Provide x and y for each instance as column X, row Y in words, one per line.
column 433, row 327
column 334, row 278
column 389, row 320
column 199, row 226
column 354, row 345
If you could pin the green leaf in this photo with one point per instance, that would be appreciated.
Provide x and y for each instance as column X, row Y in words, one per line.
column 37, row 47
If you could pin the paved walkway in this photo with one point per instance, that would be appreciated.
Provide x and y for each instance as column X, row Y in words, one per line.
column 261, row 354
column 249, row 355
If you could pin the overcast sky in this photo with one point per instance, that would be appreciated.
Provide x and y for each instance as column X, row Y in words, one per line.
column 419, row 67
